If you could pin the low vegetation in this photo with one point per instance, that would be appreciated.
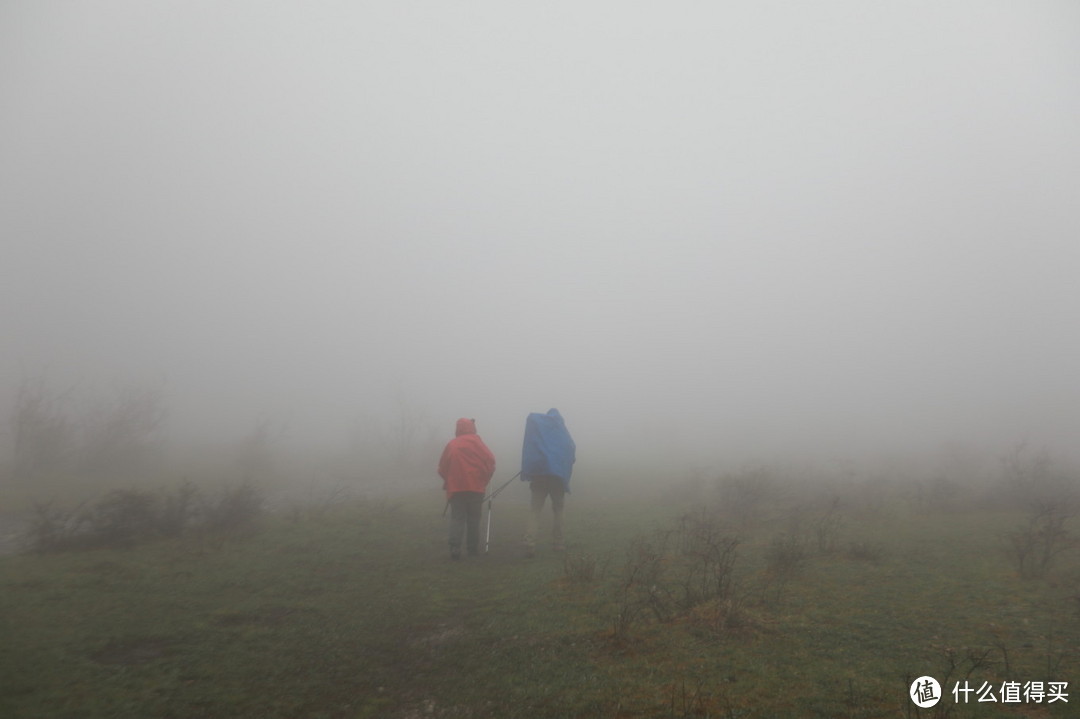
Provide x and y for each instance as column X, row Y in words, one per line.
column 798, row 605
column 124, row 517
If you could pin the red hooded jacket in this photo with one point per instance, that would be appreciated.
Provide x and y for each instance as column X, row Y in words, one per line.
column 466, row 464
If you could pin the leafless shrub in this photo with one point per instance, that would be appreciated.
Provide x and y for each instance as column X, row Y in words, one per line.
column 1061, row 649
column 319, row 500
column 1038, row 543
column 743, row 494
column 959, row 666
column 708, row 553
column 121, row 433
column 827, row 528
column 640, row 572
column 123, row 517
column 627, row 610
column 688, row 704
column 671, row 572
column 42, row 431
column 1031, row 475
column 645, row 575
column 180, row 510
column 120, row 518
column 784, row 557
column 53, row 529
column 233, row 511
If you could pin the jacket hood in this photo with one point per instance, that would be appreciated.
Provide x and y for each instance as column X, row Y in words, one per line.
column 466, row 426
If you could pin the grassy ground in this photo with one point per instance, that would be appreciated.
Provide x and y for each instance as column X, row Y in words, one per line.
column 358, row 612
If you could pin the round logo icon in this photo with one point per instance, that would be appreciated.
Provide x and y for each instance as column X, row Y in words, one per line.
column 925, row 692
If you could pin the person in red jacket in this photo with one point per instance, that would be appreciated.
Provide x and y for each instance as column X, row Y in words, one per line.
column 466, row 467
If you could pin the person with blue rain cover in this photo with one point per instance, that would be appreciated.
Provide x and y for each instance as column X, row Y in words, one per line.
column 547, row 461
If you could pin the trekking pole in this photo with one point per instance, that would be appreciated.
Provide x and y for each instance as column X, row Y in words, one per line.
column 505, row 485
column 487, row 536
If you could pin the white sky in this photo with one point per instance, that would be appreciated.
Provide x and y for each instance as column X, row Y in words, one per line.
column 729, row 226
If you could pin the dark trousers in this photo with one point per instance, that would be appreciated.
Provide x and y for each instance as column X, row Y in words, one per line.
column 465, row 510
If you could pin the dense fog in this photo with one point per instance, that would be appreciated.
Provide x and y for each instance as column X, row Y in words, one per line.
column 705, row 232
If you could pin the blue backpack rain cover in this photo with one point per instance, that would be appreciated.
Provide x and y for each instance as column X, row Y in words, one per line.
column 548, row 447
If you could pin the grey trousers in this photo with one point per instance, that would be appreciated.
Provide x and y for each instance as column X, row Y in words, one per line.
column 465, row 510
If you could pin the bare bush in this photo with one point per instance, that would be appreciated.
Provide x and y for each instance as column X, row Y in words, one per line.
column 53, row 529
column 125, row 517
column 958, row 667
column 827, row 528
column 234, row 510
column 626, row 613
column 1031, row 475
column 708, row 552
column 672, row 572
column 121, row 433
column 180, row 510
column 319, row 500
column 646, row 576
column 400, row 440
column 784, row 557
column 120, row 518
column 1037, row 544
column 42, row 432
column 743, row 494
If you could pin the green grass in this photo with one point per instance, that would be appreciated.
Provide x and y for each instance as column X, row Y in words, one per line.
column 360, row 613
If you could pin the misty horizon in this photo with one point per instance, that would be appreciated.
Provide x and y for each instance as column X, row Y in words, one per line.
column 734, row 231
